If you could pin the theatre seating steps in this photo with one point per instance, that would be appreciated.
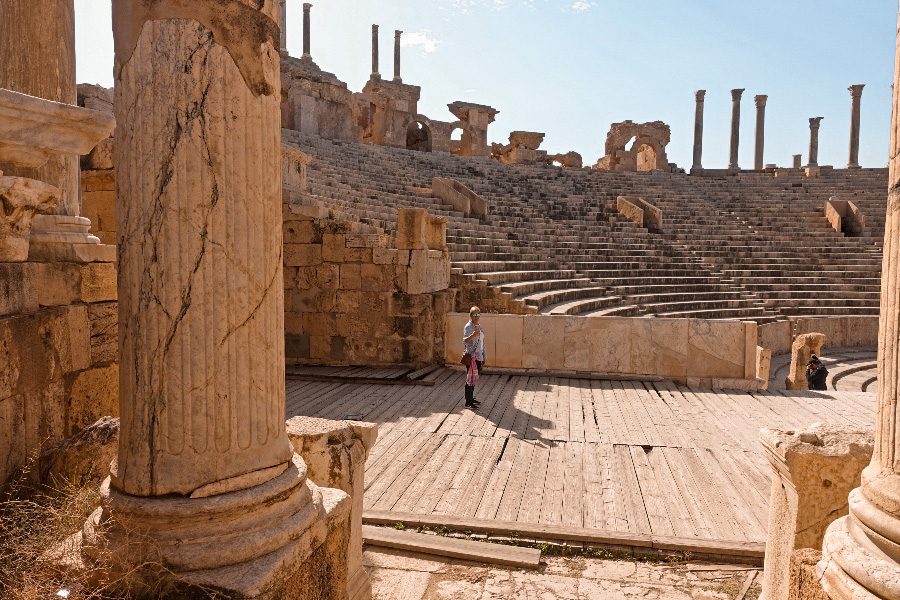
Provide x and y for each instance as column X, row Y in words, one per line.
column 750, row 246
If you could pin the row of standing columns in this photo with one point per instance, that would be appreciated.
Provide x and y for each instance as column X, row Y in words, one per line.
column 814, row 123
column 307, row 54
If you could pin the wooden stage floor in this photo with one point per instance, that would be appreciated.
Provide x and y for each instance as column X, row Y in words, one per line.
column 647, row 458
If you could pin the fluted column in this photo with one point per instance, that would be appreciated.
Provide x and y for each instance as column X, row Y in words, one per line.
column 375, row 68
column 861, row 552
column 397, row 35
column 700, row 96
column 37, row 57
column 200, row 270
column 760, row 131
column 735, row 128
column 855, row 98
column 814, row 123
column 306, row 33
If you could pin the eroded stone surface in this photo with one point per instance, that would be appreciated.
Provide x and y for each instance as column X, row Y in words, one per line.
column 804, row 346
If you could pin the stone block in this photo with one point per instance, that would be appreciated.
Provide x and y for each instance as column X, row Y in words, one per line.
column 372, row 278
column 351, row 276
column 367, row 240
column 453, row 344
column 98, row 282
column 776, row 336
column 358, row 255
column 103, row 321
column 18, row 289
column 91, row 394
column 296, row 346
column 429, row 271
column 813, row 472
column 543, row 341
column 328, row 276
column 302, row 255
column 763, row 363
column 335, row 453
column 804, row 576
column 301, row 232
column 83, row 458
column 385, row 256
column 804, row 346
column 505, row 339
column 12, row 435
column 57, row 284
column 333, row 247
column 44, row 416
column 716, row 349
column 411, row 229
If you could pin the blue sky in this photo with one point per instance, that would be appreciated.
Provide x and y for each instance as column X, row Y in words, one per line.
column 569, row 68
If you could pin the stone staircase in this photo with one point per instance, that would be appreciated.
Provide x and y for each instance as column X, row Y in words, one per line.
column 748, row 247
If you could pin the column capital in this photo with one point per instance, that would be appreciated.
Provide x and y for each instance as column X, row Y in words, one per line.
column 397, row 33
column 307, row 6
column 700, row 95
column 374, row 28
column 736, row 93
column 760, row 100
column 856, row 90
column 814, row 122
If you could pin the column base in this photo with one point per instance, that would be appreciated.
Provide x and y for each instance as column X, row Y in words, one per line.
column 286, row 538
column 856, row 559
column 67, row 239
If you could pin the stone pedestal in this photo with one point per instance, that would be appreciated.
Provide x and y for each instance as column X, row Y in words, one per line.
column 855, row 98
column 802, row 349
column 735, row 129
column 861, row 552
column 335, row 454
column 206, row 484
column 700, row 96
column 812, row 473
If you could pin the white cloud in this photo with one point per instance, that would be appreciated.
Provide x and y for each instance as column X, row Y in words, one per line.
column 581, row 5
column 420, row 39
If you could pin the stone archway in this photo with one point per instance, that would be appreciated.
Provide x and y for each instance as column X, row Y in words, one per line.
column 646, row 157
column 419, row 135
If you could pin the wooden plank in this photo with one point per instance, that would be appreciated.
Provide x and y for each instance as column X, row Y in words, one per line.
column 450, row 500
column 650, row 490
column 515, row 487
column 477, row 488
column 426, row 479
column 551, row 511
column 626, row 477
column 573, row 484
column 496, row 487
column 532, row 498
column 510, row 556
column 400, row 476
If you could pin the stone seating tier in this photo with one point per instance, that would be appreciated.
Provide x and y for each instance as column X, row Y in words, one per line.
column 751, row 246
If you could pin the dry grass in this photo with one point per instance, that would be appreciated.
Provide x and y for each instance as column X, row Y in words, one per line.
column 35, row 519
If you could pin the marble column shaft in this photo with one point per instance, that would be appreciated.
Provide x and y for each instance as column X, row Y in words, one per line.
column 735, row 128
column 306, row 30
column 861, row 552
column 201, row 301
column 760, row 131
column 375, row 66
column 700, row 96
column 37, row 46
column 855, row 98
column 814, row 123
column 397, row 35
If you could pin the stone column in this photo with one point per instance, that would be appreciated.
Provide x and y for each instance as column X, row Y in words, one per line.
column 861, row 552
column 814, row 123
column 700, row 96
column 760, row 131
column 282, row 23
column 206, row 476
column 306, row 39
column 798, row 161
column 397, row 35
column 375, row 69
column 856, row 97
column 37, row 46
column 735, row 128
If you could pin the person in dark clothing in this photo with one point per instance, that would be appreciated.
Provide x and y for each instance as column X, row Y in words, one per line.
column 816, row 374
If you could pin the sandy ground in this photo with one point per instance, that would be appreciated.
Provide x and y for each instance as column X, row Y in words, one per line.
column 403, row 576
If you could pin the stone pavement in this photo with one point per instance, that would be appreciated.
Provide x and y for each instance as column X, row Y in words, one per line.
column 405, row 576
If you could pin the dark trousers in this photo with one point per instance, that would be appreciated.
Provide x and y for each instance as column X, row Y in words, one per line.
column 470, row 389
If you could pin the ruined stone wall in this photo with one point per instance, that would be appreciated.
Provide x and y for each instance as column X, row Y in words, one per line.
column 98, row 202
column 58, row 354
column 353, row 297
